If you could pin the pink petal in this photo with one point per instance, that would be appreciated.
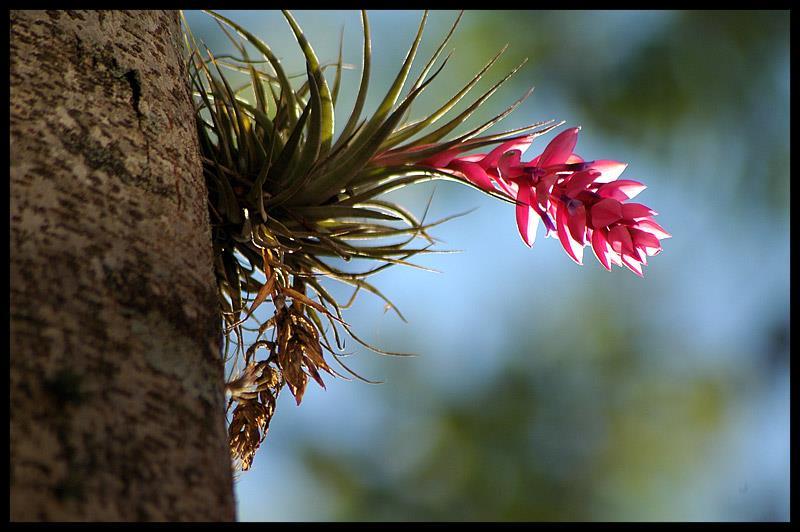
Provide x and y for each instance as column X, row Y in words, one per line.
column 642, row 255
column 573, row 248
column 574, row 159
column 578, row 182
column 576, row 221
column 601, row 248
column 605, row 212
column 527, row 221
column 620, row 240
column 473, row 173
column 510, row 187
column 533, row 163
column 633, row 265
column 475, row 158
column 652, row 227
column 440, row 160
column 609, row 170
column 547, row 217
column 621, row 190
column 560, row 148
column 519, row 143
column 509, row 164
column 543, row 189
column 646, row 241
column 631, row 211
column 399, row 156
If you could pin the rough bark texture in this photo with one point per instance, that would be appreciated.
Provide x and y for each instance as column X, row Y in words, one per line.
column 116, row 378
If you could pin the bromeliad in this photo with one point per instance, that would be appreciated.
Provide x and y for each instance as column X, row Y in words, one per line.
column 286, row 196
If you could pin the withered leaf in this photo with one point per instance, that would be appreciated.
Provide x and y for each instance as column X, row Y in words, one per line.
column 312, row 370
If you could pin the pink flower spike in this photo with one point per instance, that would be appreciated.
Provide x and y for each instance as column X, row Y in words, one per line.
column 605, row 212
column 560, row 148
column 621, row 190
column 473, row 173
column 580, row 202
column 573, row 248
column 609, row 170
column 527, row 220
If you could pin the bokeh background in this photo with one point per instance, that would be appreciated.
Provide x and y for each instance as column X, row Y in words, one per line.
column 544, row 390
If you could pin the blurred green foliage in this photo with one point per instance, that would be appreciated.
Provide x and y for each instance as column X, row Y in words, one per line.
column 654, row 78
column 578, row 434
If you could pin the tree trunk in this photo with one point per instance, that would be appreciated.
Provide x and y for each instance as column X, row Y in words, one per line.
column 116, row 376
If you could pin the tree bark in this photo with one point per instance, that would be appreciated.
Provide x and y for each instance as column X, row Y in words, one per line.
column 117, row 385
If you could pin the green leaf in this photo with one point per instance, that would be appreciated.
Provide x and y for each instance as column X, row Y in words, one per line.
column 322, row 187
column 409, row 131
column 284, row 161
column 215, row 117
column 389, row 100
column 286, row 88
column 262, row 102
column 412, row 175
column 435, row 56
column 313, row 144
column 324, row 95
column 375, row 230
column 338, row 79
column 256, row 193
column 341, row 211
column 268, row 126
column 231, row 267
column 229, row 100
column 450, row 126
column 385, row 107
column 463, row 143
column 463, row 139
column 360, row 283
column 363, row 86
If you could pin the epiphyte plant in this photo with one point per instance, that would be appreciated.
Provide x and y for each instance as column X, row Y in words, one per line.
column 286, row 198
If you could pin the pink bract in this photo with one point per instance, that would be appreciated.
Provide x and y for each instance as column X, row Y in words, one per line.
column 582, row 203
